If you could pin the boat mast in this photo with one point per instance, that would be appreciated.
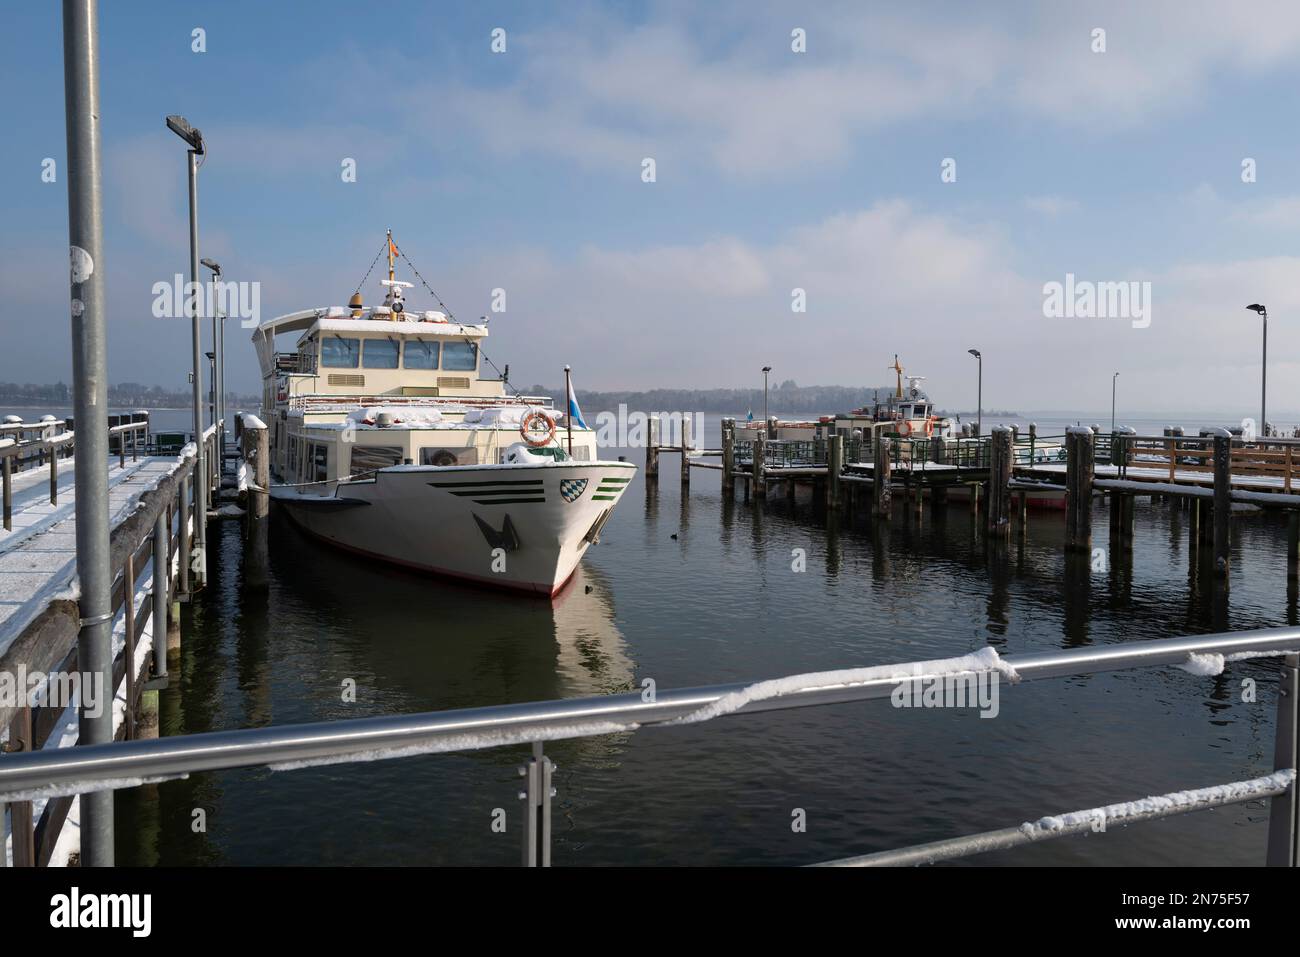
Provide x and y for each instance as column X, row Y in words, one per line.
column 391, row 247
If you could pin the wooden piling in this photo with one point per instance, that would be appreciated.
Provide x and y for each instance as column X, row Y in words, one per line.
column 1222, row 501
column 999, row 506
column 881, row 506
column 1079, row 473
column 257, row 453
column 759, row 482
column 728, row 458
column 686, row 446
column 939, row 456
column 834, row 467
column 652, row 449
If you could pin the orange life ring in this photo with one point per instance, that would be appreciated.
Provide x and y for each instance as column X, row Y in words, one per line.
column 905, row 429
column 929, row 427
column 527, row 422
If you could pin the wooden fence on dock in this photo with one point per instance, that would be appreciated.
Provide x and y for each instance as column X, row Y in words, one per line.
column 157, row 533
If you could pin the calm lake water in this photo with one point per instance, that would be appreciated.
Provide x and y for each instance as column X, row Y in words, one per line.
column 719, row 603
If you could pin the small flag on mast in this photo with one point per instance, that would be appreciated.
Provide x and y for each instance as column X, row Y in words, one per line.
column 574, row 411
column 392, row 247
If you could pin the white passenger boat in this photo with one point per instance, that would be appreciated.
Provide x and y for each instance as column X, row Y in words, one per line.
column 387, row 440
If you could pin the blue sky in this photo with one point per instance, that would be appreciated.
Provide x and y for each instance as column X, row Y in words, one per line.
column 775, row 170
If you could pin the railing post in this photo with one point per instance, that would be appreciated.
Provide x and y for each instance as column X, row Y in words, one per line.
column 161, row 572
column 6, row 465
column 54, row 475
column 1284, row 810
column 183, row 531
column 21, row 739
column 537, row 774
column 121, row 450
column 128, row 650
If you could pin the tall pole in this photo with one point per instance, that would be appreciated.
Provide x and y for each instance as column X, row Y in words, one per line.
column 1263, row 381
column 764, row 398
column 568, row 407
column 979, row 395
column 90, row 403
column 200, row 467
column 1113, row 380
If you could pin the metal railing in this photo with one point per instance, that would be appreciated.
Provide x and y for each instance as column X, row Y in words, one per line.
column 128, row 764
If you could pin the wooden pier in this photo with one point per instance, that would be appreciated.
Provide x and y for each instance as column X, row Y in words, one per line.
column 152, row 526
column 1207, row 474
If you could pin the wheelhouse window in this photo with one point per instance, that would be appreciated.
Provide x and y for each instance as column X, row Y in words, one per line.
column 320, row 457
column 379, row 354
column 421, row 354
column 339, row 353
column 445, row 456
column 367, row 459
column 460, row 357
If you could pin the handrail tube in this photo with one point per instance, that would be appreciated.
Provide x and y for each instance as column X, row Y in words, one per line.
column 101, row 767
column 1007, row 837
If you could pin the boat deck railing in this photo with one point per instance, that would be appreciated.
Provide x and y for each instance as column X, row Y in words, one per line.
column 53, row 773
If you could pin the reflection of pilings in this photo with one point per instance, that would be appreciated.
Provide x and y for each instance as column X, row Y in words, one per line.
column 1293, row 546
column 1077, row 598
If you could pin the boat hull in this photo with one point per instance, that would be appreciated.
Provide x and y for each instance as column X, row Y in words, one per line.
column 518, row 527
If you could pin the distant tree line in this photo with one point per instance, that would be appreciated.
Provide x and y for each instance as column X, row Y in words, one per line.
column 123, row 395
column 785, row 397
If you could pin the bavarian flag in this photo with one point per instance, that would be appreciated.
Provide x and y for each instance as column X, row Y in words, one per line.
column 575, row 412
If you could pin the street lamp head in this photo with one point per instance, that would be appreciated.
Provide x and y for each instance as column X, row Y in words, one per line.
column 181, row 127
column 974, row 352
column 213, row 265
column 767, row 368
column 1256, row 307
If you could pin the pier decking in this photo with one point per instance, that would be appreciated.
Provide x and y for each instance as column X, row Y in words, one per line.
column 151, row 525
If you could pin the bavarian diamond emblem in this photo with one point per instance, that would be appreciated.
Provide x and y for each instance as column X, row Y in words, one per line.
column 572, row 489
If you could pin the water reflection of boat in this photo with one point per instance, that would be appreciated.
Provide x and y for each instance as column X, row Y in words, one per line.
column 426, row 644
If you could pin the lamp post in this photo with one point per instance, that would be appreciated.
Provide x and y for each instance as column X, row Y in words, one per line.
column 766, row 370
column 979, row 408
column 1263, row 370
column 218, row 367
column 194, row 139
column 1113, row 380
